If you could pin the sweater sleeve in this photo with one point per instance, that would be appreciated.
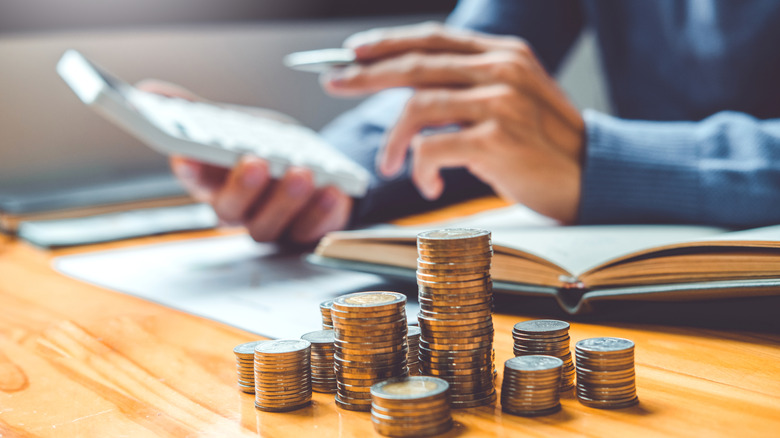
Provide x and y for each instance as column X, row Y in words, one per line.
column 724, row 170
column 550, row 26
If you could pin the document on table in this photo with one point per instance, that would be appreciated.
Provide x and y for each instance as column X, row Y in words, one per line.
column 233, row 280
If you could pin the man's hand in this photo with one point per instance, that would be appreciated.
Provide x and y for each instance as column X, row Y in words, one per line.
column 519, row 133
column 290, row 207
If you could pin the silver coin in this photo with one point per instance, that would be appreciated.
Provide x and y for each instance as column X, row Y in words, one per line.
column 453, row 233
column 370, row 299
column 283, row 346
column 410, row 388
column 541, row 325
column 604, row 344
column 320, row 337
column 533, row 363
column 247, row 348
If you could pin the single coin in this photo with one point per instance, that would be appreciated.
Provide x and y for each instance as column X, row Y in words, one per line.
column 600, row 345
column 602, row 404
column 413, row 387
column 353, row 405
column 538, row 326
column 247, row 348
column 369, row 299
column 453, row 233
column 282, row 408
column 320, row 337
column 282, row 346
column 533, row 363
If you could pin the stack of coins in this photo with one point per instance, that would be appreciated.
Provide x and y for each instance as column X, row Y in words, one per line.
column 531, row 385
column 413, row 353
column 605, row 373
column 282, row 375
column 370, row 344
column 323, row 376
column 549, row 337
column 245, row 365
column 456, row 301
column 411, row 406
column 327, row 321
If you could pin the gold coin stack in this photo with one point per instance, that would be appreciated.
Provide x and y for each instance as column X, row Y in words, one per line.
column 327, row 320
column 456, row 301
column 370, row 344
column 323, row 377
column 245, row 365
column 413, row 353
column 282, row 375
column 605, row 373
column 548, row 337
column 531, row 385
column 411, row 406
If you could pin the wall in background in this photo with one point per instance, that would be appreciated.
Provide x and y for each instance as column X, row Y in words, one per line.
column 57, row 15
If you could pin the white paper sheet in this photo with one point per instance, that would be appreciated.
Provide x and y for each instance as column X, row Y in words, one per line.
column 228, row 279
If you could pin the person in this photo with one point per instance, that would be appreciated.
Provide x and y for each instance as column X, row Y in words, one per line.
column 470, row 107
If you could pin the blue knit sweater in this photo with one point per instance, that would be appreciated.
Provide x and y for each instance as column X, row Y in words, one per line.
column 696, row 89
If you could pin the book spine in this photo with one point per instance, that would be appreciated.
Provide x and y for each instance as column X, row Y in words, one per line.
column 571, row 282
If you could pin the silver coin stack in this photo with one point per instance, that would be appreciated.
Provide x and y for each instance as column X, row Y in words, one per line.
column 605, row 373
column 323, row 376
column 370, row 344
column 531, row 385
column 282, row 375
column 548, row 337
column 411, row 406
column 245, row 365
column 327, row 320
column 413, row 354
column 456, row 302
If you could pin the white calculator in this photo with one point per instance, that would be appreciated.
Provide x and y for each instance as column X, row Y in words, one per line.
column 210, row 133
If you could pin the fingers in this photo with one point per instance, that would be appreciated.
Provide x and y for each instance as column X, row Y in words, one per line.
column 201, row 180
column 280, row 205
column 243, row 186
column 166, row 89
column 435, row 152
column 328, row 210
column 383, row 42
column 425, row 109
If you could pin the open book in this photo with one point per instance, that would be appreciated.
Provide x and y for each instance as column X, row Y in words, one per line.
column 579, row 265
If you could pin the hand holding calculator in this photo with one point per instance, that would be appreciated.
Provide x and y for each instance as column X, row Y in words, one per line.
column 214, row 134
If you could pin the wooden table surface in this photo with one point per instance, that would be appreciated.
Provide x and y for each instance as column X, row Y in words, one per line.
column 78, row 360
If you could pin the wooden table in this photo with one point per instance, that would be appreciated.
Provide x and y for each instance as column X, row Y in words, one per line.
column 77, row 360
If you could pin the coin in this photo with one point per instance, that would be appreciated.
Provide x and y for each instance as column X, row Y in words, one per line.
column 323, row 375
column 411, row 406
column 546, row 337
column 605, row 373
column 282, row 375
column 605, row 345
column 370, row 344
column 531, row 385
column 325, row 307
column 245, row 354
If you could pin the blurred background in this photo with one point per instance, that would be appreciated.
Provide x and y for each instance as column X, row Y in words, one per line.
column 55, row 151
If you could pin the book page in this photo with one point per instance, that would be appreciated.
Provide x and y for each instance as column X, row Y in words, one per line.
column 578, row 249
column 764, row 234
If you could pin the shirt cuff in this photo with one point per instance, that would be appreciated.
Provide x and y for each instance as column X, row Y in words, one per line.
column 639, row 172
